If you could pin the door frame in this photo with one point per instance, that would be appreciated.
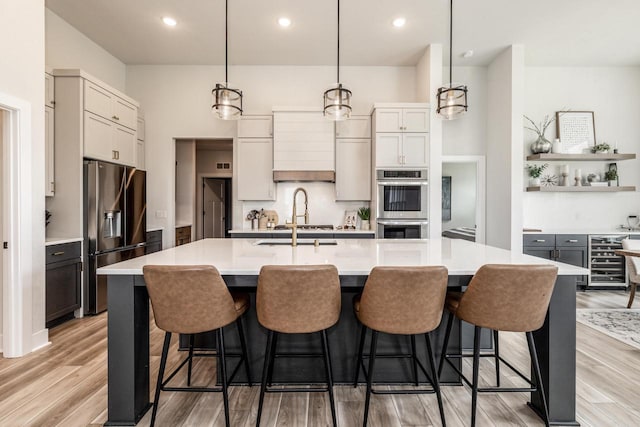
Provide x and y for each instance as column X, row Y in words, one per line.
column 198, row 208
column 17, row 191
column 481, row 190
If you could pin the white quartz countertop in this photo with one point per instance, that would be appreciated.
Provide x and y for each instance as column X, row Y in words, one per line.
column 583, row 231
column 350, row 256
column 302, row 231
column 50, row 241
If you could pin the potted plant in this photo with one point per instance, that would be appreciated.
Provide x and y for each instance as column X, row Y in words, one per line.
column 612, row 176
column 365, row 214
column 602, row 148
column 534, row 173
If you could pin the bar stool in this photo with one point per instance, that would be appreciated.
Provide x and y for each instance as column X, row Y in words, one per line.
column 297, row 300
column 511, row 298
column 190, row 300
column 401, row 301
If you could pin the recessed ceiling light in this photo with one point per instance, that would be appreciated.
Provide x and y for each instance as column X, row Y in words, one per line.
column 284, row 22
column 169, row 21
column 399, row 22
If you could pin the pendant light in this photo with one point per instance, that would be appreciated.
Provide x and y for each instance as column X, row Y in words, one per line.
column 337, row 99
column 452, row 99
column 227, row 102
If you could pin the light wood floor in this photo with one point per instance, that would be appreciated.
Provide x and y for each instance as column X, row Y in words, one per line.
column 65, row 385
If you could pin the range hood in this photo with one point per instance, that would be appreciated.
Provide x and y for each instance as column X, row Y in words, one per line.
column 304, row 176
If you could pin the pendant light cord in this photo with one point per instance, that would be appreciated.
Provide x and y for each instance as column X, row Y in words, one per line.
column 226, row 42
column 451, row 44
column 338, row 81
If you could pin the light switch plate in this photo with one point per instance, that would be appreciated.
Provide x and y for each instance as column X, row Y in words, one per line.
column 161, row 214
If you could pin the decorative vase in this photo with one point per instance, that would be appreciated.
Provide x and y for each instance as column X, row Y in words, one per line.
column 540, row 145
column 556, row 147
column 613, row 183
column 534, row 182
column 364, row 224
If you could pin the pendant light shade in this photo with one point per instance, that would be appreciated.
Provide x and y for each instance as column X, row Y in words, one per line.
column 337, row 99
column 227, row 102
column 452, row 98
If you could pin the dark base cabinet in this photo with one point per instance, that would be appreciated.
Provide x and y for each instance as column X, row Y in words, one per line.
column 63, row 282
column 566, row 248
column 154, row 242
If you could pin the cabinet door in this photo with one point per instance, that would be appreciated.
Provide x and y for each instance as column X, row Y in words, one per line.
column 62, row 288
column 124, row 113
column 255, row 169
column 389, row 120
column 140, row 155
column 355, row 127
column 415, row 120
column 573, row 256
column 97, row 100
column 389, row 150
column 255, row 127
column 141, row 129
column 48, row 90
column 49, row 186
column 540, row 252
column 353, row 169
column 125, row 145
column 415, row 149
column 97, row 137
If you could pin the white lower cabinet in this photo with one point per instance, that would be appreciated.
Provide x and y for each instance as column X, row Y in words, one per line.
column 353, row 169
column 255, row 169
column 49, row 175
column 105, row 140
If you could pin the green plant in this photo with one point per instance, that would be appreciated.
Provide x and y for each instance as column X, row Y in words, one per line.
column 536, row 170
column 611, row 175
column 364, row 213
column 601, row 147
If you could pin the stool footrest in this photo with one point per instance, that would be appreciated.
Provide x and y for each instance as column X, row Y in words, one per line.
column 295, row 390
column 416, row 391
column 295, row 355
column 194, row 389
column 490, row 389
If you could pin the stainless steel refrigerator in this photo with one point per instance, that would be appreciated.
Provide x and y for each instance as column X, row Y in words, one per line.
column 115, row 224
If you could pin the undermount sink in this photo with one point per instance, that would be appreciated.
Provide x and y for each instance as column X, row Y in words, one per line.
column 305, row 227
column 301, row 242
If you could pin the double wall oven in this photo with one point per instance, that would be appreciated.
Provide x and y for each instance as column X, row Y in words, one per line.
column 402, row 206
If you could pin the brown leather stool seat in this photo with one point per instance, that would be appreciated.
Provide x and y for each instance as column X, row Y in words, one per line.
column 190, row 300
column 297, row 300
column 401, row 301
column 502, row 298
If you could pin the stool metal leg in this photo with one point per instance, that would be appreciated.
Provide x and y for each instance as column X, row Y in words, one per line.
column 536, row 371
column 445, row 345
column 163, row 364
column 414, row 359
column 372, row 360
column 363, row 335
column 329, row 371
column 497, row 357
column 223, row 373
column 265, row 368
column 434, row 378
column 191, row 340
column 243, row 345
column 272, row 359
column 476, row 369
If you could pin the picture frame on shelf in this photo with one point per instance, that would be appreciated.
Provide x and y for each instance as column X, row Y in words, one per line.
column 350, row 218
column 576, row 130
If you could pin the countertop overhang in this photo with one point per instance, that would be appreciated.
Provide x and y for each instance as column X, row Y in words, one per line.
column 350, row 256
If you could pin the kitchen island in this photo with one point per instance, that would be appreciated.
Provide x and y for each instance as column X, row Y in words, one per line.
column 240, row 260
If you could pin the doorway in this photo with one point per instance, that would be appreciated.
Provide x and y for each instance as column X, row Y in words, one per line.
column 216, row 207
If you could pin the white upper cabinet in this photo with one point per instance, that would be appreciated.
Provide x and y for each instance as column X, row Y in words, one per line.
column 140, row 144
column 49, row 168
column 102, row 102
column 254, row 169
column 401, row 138
column 255, row 127
column 415, row 120
column 353, row 169
column 303, row 141
column 388, row 120
column 49, row 90
column 355, row 127
column 402, row 120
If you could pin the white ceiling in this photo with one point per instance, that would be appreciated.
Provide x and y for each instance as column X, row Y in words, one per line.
column 554, row 32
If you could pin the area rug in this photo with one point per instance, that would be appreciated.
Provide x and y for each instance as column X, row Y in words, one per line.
column 621, row 324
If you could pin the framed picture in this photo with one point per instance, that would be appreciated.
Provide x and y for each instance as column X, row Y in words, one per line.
column 576, row 130
column 446, row 198
column 350, row 218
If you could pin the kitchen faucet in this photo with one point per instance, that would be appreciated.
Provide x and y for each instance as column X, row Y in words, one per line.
column 294, row 216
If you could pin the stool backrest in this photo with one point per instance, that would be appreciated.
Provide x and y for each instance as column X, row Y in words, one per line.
column 404, row 300
column 508, row 297
column 298, row 299
column 189, row 299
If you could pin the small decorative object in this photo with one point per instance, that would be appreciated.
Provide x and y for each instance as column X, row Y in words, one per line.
column 593, row 177
column 601, row 148
column 47, row 217
column 633, row 221
column 549, row 180
column 253, row 216
column 534, row 173
column 349, row 220
column 556, row 147
column 542, row 144
column 612, row 176
column 364, row 213
column 564, row 172
column 578, row 178
column 576, row 129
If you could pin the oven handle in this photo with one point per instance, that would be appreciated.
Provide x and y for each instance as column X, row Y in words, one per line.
column 388, row 222
column 402, row 183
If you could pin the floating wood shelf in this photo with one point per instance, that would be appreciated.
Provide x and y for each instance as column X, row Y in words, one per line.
column 581, row 157
column 585, row 189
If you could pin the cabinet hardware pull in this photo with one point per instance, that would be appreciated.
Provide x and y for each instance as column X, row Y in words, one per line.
column 572, row 241
column 58, row 253
column 539, row 240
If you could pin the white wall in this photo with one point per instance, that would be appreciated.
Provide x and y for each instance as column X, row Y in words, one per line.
column 185, row 175
column 22, row 76
column 182, row 109
column 463, row 194
column 67, row 47
column 612, row 94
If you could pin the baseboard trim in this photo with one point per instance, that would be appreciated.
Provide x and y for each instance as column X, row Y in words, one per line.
column 1, row 344
column 40, row 339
